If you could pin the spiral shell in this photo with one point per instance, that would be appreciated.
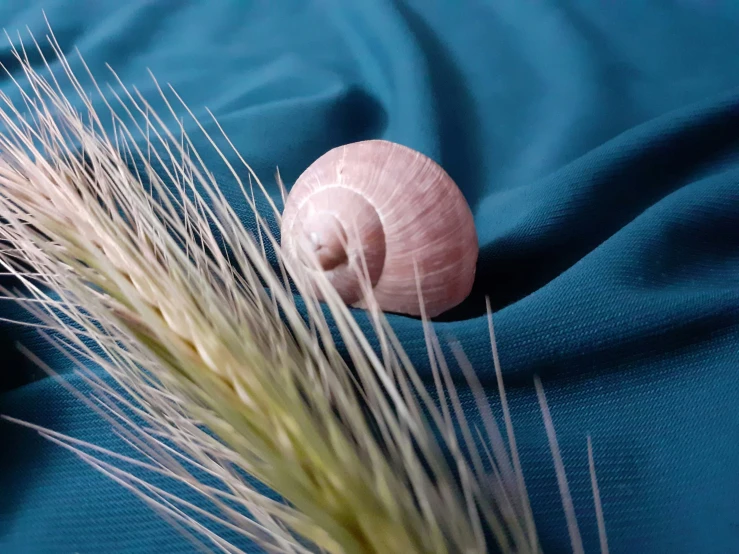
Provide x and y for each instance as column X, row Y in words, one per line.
column 379, row 211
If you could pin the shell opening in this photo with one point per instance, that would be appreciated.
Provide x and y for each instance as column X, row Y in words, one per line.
column 325, row 238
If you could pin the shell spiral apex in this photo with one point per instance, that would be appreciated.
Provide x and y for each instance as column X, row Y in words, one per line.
column 376, row 212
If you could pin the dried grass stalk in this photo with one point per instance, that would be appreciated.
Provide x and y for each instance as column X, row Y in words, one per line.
column 133, row 261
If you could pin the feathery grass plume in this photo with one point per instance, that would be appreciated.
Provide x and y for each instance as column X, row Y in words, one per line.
column 133, row 261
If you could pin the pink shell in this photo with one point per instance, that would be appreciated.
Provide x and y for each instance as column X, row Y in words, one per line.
column 424, row 216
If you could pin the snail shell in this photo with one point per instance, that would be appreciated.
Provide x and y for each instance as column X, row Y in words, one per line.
column 383, row 211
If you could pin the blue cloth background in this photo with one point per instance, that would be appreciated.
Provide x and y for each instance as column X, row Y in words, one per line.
column 596, row 141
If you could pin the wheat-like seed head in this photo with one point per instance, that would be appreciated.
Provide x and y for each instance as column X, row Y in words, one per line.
column 140, row 265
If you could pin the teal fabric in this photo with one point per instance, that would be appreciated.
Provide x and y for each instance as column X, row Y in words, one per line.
column 596, row 142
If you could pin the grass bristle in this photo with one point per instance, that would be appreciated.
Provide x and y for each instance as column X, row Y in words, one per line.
column 140, row 266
